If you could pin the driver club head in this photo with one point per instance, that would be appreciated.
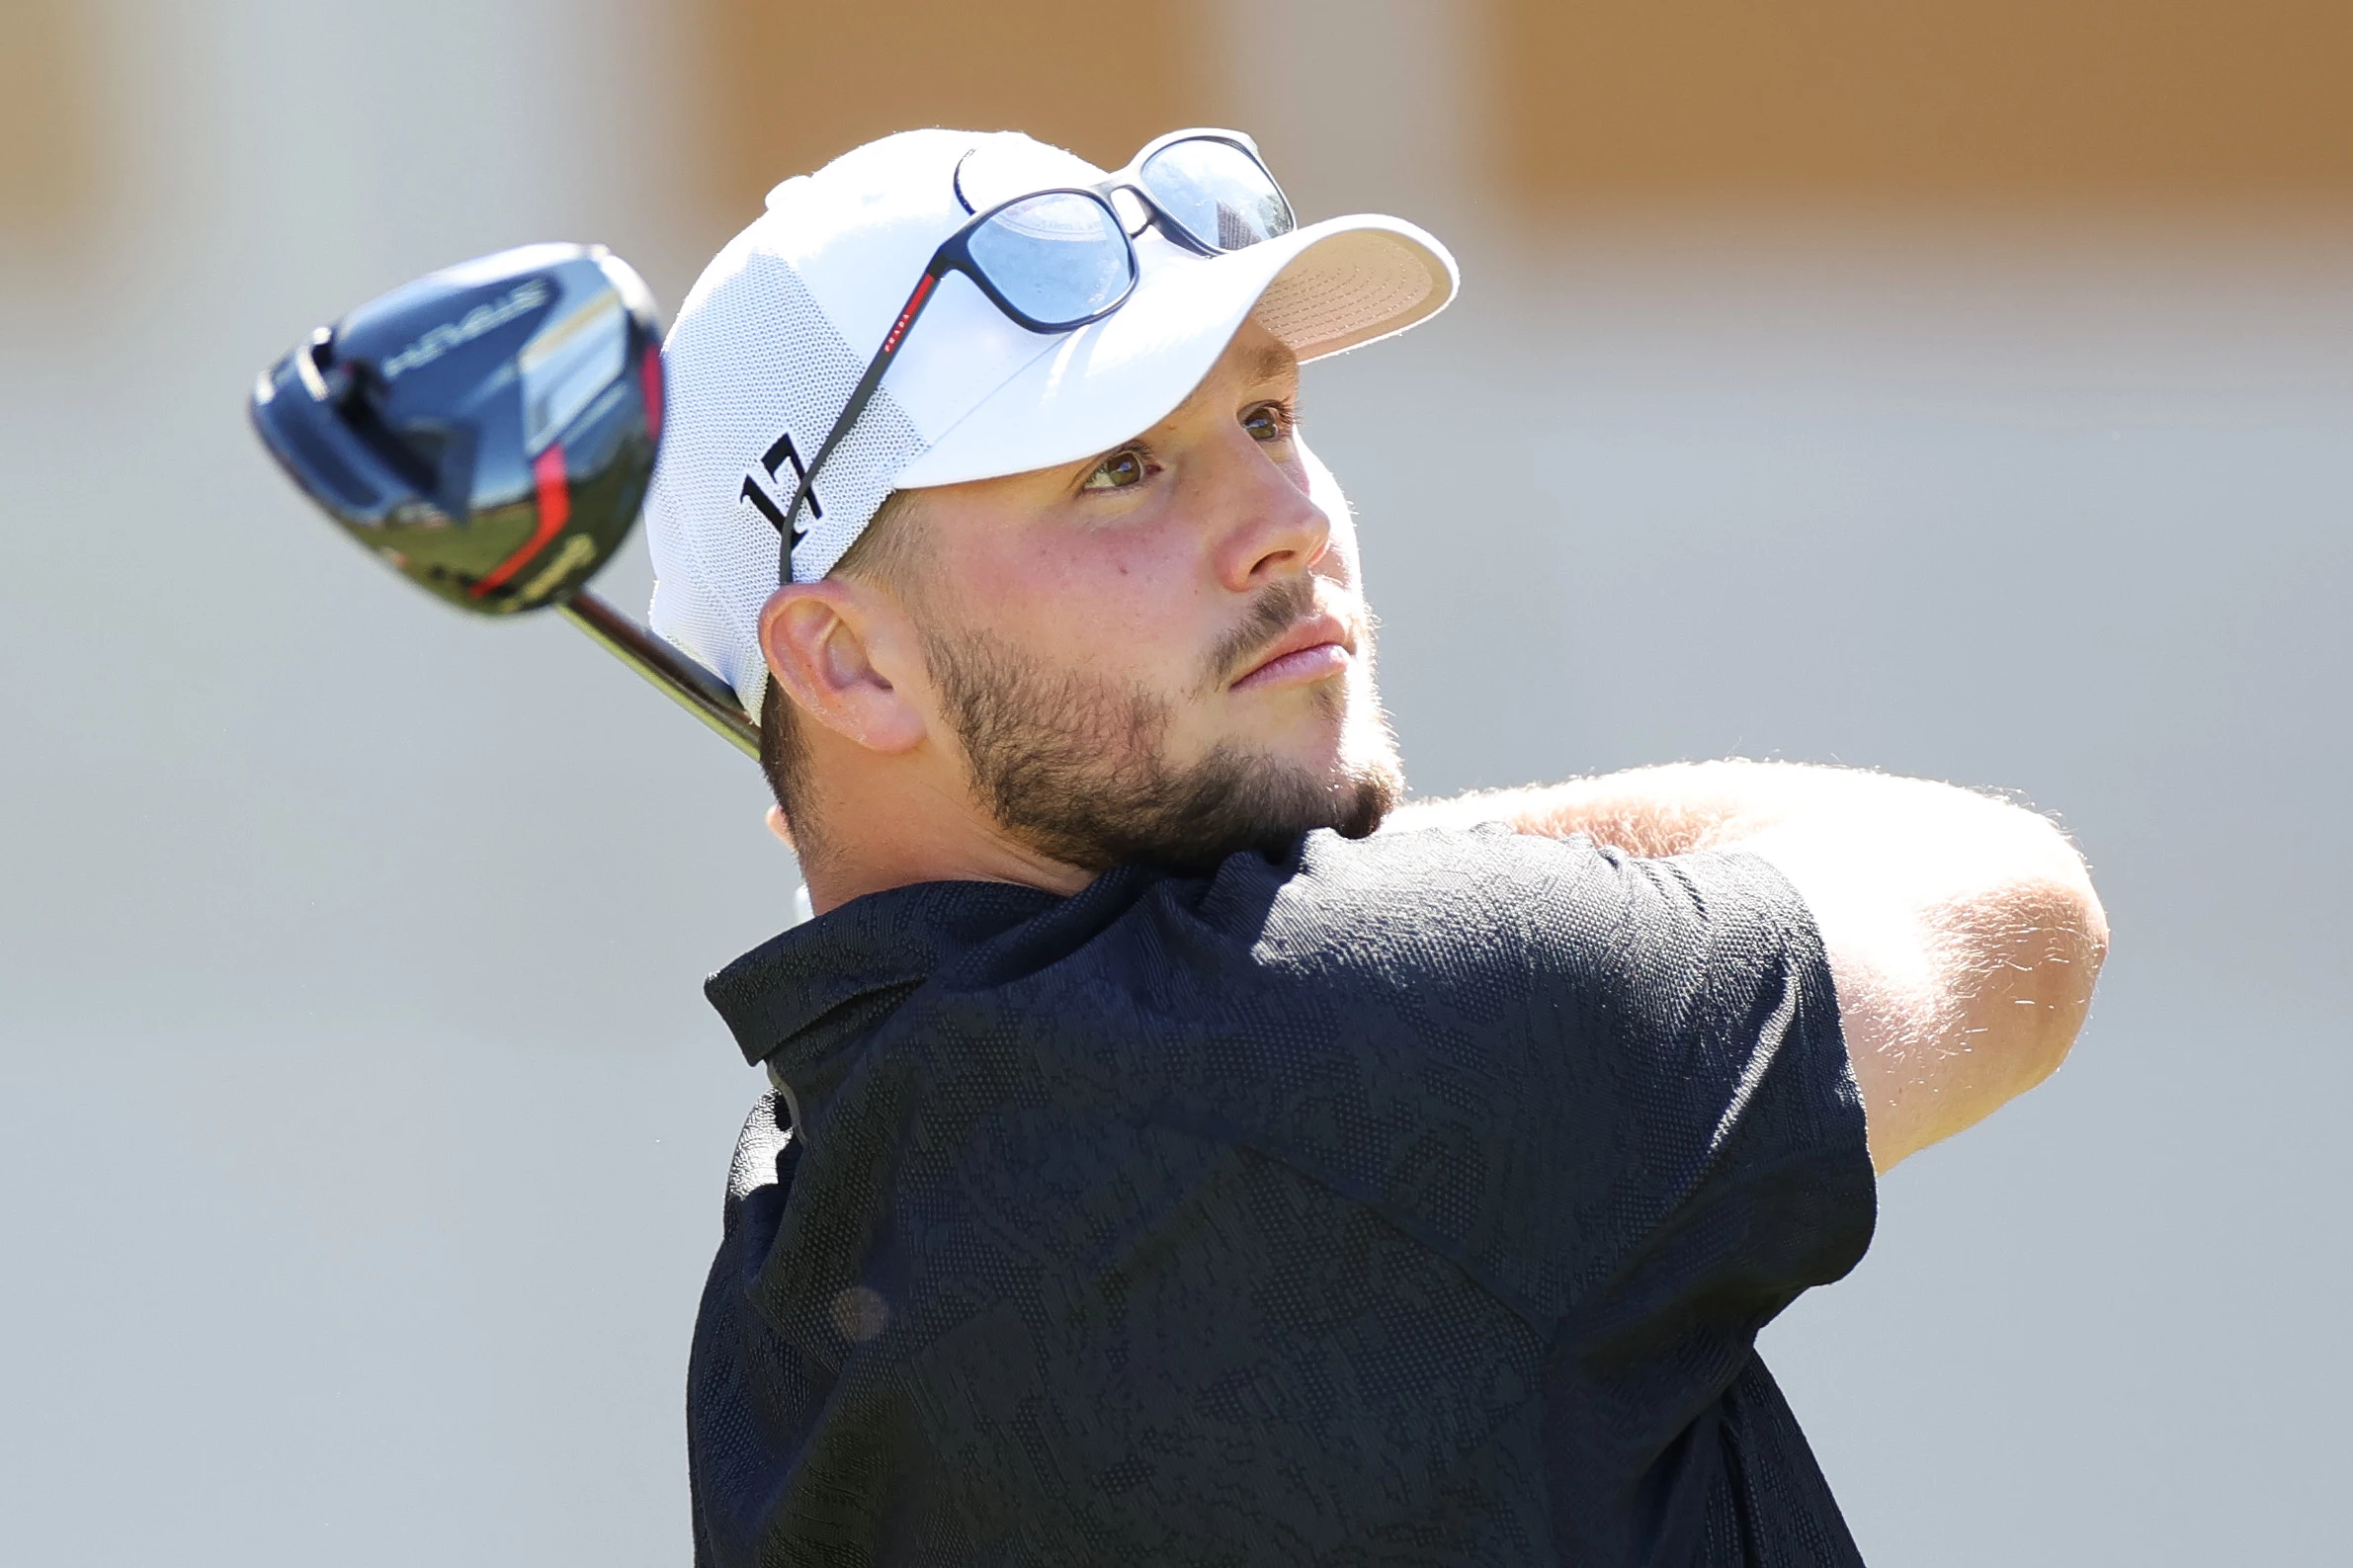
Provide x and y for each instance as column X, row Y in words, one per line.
column 488, row 431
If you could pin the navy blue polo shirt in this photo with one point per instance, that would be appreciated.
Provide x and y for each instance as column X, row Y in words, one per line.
column 1415, row 1199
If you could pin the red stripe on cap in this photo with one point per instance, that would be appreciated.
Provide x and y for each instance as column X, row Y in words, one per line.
column 649, row 370
column 556, row 510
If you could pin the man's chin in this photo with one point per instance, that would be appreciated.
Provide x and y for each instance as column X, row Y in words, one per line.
column 1077, row 767
column 1333, row 749
column 1239, row 801
column 1189, row 820
column 1342, row 775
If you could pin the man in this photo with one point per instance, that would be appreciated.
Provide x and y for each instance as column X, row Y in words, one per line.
column 1179, row 1153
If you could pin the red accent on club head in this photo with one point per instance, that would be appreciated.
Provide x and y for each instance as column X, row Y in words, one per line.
column 650, row 372
column 556, row 510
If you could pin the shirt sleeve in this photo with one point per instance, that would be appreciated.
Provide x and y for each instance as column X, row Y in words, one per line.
column 1629, row 1082
column 1712, row 1143
column 1707, row 1129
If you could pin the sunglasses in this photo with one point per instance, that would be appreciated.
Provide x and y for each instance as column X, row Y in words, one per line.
column 1056, row 260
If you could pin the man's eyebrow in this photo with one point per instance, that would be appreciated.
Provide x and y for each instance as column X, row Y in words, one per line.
column 1271, row 362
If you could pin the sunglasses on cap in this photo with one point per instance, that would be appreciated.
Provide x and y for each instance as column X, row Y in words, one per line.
column 1056, row 260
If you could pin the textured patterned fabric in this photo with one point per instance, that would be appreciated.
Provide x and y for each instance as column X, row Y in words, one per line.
column 1411, row 1201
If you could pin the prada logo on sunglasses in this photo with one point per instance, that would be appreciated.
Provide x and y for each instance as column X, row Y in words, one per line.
column 779, row 452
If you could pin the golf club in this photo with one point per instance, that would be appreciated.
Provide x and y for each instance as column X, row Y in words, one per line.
column 488, row 431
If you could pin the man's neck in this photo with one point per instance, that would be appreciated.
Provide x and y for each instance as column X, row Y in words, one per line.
column 879, row 833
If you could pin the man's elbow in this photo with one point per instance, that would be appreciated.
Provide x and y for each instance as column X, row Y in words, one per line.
column 2051, row 940
column 2021, row 956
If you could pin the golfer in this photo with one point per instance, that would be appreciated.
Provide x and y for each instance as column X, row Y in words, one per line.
column 1181, row 1149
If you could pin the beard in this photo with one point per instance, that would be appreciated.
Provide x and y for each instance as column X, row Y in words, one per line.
column 1075, row 765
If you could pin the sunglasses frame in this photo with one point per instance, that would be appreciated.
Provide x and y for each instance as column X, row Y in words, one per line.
column 956, row 255
column 1156, row 214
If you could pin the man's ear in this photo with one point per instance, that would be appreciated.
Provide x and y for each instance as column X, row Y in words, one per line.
column 834, row 644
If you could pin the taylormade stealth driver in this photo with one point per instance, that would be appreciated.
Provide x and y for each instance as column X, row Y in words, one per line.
column 489, row 431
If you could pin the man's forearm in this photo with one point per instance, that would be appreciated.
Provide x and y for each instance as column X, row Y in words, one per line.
column 1672, row 809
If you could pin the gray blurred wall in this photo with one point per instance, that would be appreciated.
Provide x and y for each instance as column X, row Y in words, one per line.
column 363, row 1126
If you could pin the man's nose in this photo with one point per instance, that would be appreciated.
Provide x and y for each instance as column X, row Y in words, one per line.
column 1270, row 528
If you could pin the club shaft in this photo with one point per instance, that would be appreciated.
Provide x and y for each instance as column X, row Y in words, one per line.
column 678, row 678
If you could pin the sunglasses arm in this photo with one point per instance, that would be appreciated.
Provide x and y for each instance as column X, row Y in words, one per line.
column 860, row 395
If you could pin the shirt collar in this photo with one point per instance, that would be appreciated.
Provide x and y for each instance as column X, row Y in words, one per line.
column 795, row 993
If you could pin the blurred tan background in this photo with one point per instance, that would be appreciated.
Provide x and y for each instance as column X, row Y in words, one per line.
column 1964, row 389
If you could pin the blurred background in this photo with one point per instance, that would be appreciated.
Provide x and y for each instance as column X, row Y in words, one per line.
column 1963, row 388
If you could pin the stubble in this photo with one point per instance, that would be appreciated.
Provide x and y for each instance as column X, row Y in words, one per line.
column 1075, row 765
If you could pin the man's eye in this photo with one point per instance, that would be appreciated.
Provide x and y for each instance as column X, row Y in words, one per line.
column 1267, row 422
column 1122, row 469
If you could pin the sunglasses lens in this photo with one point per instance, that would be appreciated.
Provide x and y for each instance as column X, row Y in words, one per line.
column 1217, row 192
column 1058, row 257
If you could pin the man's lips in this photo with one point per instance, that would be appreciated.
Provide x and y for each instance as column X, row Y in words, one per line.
column 1315, row 649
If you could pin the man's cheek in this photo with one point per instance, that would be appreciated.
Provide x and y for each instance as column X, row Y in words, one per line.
column 1145, row 633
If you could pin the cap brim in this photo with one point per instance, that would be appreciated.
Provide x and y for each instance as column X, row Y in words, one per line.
column 1328, row 287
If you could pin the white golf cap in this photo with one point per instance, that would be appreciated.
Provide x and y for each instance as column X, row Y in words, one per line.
column 775, row 334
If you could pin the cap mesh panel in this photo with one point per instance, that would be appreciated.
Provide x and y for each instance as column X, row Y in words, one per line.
column 753, row 358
